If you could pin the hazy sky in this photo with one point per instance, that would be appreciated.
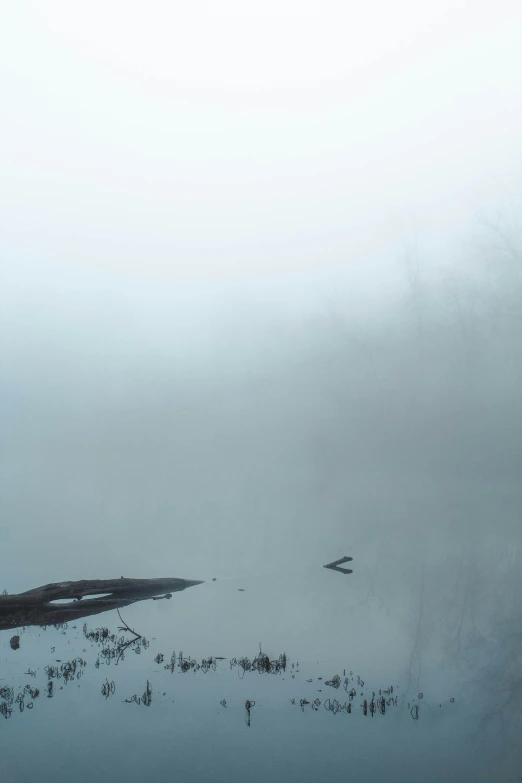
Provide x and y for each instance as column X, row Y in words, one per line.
column 217, row 140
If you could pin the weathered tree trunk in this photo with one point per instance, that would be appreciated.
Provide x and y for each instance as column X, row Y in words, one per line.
column 35, row 607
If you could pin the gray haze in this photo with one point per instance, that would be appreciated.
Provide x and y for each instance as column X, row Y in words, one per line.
column 260, row 307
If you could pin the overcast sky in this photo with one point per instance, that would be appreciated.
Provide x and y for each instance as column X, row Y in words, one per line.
column 210, row 141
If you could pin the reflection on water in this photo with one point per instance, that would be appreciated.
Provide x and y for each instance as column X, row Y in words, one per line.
column 111, row 649
column 98, row 675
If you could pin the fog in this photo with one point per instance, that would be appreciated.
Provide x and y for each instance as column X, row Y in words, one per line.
column 260, row 308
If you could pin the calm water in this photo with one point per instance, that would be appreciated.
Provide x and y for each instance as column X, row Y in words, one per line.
column 399, row 448
column 402, row 669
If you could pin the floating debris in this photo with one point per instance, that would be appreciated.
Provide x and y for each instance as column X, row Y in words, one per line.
column 332, row 705
column 335, row 566
column 334, row 682
column 261, row 663
column 108, row 688
column 15, row 642
column 248, row 706
column 114, row 647
column 207, row 664
column 67, row 671
column 145, row 699
column 7, row 696
column 5, row 710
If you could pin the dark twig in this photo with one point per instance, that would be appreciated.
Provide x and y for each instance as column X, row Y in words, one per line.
column 123, row 647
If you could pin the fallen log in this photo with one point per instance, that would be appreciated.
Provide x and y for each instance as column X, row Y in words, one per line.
column 36, row 607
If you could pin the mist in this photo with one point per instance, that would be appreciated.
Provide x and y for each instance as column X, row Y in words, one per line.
column 260, row 308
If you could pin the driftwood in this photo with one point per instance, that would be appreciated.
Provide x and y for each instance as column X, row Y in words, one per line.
column 336, row 565
column 35, row 607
